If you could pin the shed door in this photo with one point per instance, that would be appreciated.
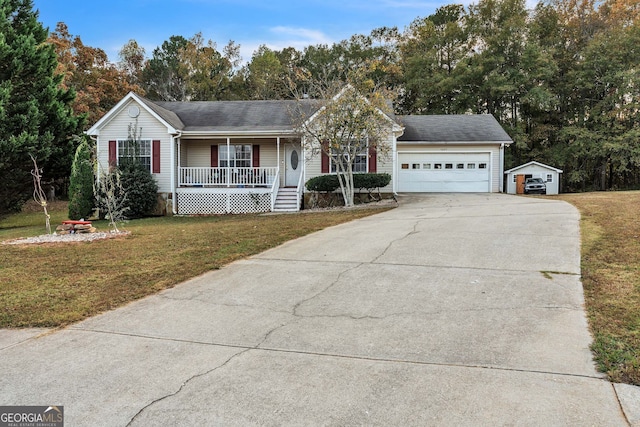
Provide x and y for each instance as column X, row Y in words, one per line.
column 444, row 172
column 520, row 184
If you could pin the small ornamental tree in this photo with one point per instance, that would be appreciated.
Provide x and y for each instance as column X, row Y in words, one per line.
column 111, row 197
column 346, row 126
column 81, row 182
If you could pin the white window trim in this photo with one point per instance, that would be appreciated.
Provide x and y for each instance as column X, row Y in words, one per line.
column 228, row 159
column 333, row 167
column 119, row 148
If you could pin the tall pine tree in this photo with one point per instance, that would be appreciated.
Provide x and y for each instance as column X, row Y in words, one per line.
column 35, row 113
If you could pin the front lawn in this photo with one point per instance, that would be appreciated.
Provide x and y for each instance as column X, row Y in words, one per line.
column 48, row 285
column 610, row 230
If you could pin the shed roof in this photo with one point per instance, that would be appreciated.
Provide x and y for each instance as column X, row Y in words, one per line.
column 533, row 163
column 453, row 128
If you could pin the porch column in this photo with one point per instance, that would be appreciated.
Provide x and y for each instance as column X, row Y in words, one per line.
column 228, row 162
column 278, row 157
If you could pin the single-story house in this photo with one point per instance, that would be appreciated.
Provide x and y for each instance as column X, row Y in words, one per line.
column 216, row 157
column 515, row 177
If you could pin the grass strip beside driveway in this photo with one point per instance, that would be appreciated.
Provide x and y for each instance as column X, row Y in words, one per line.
column 49, row 285
column 610, row 229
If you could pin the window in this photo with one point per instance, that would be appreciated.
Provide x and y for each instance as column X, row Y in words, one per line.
column 426, row 166
column 471, row 165
column 360, row 163
column 437, row 166
column 482, row 166
column 549, row 177
column 135, row 150
column 415, row 166
column 405, row 166
column 448, row 166
column 234, row 156
column 515, row 178
column 460, row 166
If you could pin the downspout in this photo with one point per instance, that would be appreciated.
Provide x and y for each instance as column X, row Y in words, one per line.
column 394, row 161
column 278, row 159
column 501, row 167
column 175, row 146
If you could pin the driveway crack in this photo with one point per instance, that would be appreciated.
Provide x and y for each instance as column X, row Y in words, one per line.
column 325, row 289
column 184, row 384
column 391, row 243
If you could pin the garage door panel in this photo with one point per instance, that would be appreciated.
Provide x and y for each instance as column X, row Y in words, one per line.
column 443, row 172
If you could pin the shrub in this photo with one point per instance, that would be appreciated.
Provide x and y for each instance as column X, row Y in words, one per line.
column 370, row 181
column 366, row 181
column 81, row 195
column 323, row 183
column 140, row 187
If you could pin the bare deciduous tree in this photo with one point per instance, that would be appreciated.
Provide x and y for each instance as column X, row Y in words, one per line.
column 38, row 193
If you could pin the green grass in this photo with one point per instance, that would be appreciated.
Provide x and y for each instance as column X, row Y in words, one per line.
column 610, row 229
column 49, row 285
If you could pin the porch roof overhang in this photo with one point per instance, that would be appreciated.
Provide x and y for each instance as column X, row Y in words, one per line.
column 201, row 133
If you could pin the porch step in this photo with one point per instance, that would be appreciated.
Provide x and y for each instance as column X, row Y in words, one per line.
column 286, row 200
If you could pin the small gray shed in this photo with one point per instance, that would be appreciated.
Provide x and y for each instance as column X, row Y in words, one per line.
column 515, row 177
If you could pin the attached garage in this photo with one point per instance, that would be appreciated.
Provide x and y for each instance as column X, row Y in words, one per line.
column 450, row 154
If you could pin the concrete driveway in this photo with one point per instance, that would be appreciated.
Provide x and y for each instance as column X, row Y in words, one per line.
column 461, row 309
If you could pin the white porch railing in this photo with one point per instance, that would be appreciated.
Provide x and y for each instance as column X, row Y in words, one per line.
column 274, row 190
column 222, row 177
column 300, row 190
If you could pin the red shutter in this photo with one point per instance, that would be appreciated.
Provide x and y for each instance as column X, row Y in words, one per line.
column 214, row 156
column 156, row 156
column 113, row 155
column 324, row 158
column 256, row 156
column 373, row 160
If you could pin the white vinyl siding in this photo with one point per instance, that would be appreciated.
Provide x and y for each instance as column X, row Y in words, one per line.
column 118, row 129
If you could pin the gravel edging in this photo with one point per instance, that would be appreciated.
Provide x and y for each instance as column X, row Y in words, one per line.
column 65, row 238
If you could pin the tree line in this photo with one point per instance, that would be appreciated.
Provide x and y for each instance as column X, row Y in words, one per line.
column 563, row 79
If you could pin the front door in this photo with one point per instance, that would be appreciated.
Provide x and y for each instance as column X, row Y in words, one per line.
column 293, row 165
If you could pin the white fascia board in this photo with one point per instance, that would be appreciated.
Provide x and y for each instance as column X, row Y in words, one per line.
column 532, row 163
column 474, row 143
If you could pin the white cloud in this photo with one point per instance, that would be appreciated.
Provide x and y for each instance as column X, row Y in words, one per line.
column 301, row 36
column 280, row 37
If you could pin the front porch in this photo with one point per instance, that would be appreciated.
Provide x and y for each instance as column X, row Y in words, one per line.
column 237, row 176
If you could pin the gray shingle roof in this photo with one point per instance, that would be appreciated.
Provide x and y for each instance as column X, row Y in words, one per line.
column 238, row 116
column 452, row 128
column 168, row 116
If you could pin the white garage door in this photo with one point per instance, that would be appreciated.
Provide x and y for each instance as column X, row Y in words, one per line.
column 444, row 172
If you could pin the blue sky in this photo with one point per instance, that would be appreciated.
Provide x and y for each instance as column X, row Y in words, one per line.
column 276, row 23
